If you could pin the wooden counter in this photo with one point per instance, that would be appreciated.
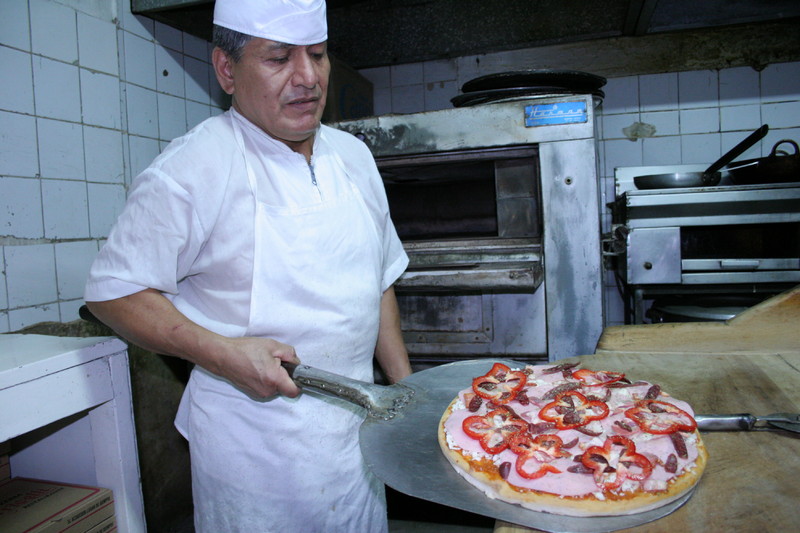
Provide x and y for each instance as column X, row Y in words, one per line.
column 752, row 481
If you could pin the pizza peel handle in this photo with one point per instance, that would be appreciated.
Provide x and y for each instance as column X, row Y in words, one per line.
column 748, row 422
column 382, row 402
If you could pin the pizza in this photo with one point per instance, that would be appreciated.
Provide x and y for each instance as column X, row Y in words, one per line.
column 572, row 441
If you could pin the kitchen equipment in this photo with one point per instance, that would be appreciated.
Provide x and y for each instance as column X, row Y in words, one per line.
column 560, row 79
column 709, row 177
column 496, row 206
column 695, row 242
column 508, row 93
column 383, row 402
column 403, row 450
column 748, row 422
column 779, row 166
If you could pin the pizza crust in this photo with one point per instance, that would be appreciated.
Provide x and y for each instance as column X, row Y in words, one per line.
column 484, row 475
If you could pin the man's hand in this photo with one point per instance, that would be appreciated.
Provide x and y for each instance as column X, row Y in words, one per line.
column 150, row 321
column 254, row 365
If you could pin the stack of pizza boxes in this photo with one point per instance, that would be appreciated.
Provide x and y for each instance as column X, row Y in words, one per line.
column 5, row 466
column 37, row 506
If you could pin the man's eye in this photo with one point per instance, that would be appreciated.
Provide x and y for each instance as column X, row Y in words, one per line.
column 279, row 60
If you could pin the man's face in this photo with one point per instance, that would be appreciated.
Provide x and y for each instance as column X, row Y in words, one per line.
column 279, row 87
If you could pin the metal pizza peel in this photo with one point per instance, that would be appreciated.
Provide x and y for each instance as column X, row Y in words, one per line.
column 399, row 442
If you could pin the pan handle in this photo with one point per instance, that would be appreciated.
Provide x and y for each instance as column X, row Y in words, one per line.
column 379, row 401
column 737, row 150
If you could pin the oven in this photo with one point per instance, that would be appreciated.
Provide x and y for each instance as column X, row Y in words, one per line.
column 702, row 252
column 497, row 206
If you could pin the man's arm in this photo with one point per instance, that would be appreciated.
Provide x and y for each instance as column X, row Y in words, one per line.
column 391, row 350
column 149, row 320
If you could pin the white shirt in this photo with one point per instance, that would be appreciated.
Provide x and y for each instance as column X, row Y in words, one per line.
column 187, row 228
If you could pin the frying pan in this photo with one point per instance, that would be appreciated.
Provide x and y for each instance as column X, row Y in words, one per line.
column 709, row 177
column 777, row 167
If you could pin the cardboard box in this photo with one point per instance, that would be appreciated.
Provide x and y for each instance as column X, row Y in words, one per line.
column 36, row 506
column 109, row 525
column 349, row 94
column 5, row 464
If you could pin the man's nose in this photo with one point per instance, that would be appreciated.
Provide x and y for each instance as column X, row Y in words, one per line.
column 305, row 72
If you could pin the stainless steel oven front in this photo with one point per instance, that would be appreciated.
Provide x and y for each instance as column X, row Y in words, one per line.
column 726, row 239
column 497, row 206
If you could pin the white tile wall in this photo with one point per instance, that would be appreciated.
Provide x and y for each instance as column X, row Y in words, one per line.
column 740, row 117
column 170, row 74
column 196, row 80
column 142, row 111
column 698, row 88
column 16, row 92
column 658, row 92
column 142, row 152
column 694, row 116
column 73, row 260
column 739, row 86
column 97, row 44
column 14, row 25
column 25, row 316
column 56, row 89
column 91, row 101
column 103, row 153
column 140, row 60
column 780, row 82
column 31, row 275
column 171, row 116
column 100, row 99
column 21, row 206
column 60, row 149
column 195, row 47
column 105, row 205
column 54, row 31
column 65, row 205
column 18, row 151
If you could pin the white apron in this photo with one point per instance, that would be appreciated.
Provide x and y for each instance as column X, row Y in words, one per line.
column 294, row 465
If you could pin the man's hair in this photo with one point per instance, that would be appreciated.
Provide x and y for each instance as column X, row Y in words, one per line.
column 230, row 41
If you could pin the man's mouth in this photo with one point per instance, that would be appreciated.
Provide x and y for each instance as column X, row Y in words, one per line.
column 300, row 102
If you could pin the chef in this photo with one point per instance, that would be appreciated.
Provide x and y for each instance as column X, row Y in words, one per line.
column 262, row 236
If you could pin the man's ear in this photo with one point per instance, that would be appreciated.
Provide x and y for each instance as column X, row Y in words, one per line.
column 223, row 68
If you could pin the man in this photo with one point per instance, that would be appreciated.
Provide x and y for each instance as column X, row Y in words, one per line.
column 260, row 237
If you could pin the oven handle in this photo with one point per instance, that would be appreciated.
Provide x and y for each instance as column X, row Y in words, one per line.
column 739, row 264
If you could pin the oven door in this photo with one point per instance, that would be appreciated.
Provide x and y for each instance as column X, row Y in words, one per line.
column 718, row 254
column 470, row 222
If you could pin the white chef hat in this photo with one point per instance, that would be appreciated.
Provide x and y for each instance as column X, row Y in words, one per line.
column 299, row 22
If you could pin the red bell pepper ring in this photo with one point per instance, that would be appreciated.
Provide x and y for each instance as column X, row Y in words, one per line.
column 571, row 409
column 610, row 468
column 660, row 418
column 500, row 384
column 494, row 429
column 592, row 378
column 542, row 449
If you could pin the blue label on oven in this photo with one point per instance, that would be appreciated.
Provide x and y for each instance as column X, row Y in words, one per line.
column 560, row 113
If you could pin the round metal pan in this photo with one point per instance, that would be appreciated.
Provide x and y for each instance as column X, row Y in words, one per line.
column 565, row 79
column 778, row 167
column 709, row 177
column 404, row 453
column 677, row 180
column 496, row 95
